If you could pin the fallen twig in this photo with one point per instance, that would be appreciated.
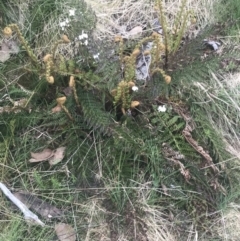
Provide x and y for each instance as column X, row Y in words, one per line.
column 28, row 215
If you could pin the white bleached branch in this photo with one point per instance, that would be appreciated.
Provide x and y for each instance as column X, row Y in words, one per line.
column 28, row 215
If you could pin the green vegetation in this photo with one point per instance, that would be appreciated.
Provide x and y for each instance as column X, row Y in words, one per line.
column 152, row 164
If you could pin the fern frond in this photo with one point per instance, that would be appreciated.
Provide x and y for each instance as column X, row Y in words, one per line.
column 94, row 113
column 209, row 136
column 170, row 127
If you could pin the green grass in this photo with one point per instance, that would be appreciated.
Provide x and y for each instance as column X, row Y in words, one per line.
column 230, row 14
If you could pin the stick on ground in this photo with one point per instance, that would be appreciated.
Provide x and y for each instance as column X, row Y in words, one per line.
column 28, row 215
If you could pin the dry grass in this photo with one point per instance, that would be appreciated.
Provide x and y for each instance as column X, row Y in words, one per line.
column 229, row 224
column 117, row 17
column 158, row 227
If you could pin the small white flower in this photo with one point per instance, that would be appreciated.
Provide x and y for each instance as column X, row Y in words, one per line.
column 72, row 12
column 96, row 56
column 135, row 88
column 83, row 36
column 62, row 25
column 86, row 42
column 162, row 108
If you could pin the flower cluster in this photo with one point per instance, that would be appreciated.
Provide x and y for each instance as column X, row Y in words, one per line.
column 66, row 22
column 72, row 12
column 83, row 36
column 162, row 108
column 96, row 56
column 135, row 88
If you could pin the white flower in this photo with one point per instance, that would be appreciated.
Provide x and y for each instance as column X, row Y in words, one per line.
column 83, row 35
column 96, row 56
column 64, row 23
column 135, row 88
column 162, row 108
column 72, row 12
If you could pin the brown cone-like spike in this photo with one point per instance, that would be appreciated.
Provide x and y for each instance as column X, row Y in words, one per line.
column 7, row 31
column 134, row 104
column 61, row 100
column 114, row 92
column 47, row 57
column 50, row 79
column 71, row 81
column 131, row 84
column 136, row 52
column 65, row 39
column 167, row 79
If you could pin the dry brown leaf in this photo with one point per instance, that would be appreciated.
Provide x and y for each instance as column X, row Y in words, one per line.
column 4, row 56
column 41, row 156
column 68, row 90
column 65, row 232
column 134, row 33
column 58, row 156
column 7, row 48
column 56, row 109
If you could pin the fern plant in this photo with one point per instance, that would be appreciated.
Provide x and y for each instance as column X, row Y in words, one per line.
column 114, row 135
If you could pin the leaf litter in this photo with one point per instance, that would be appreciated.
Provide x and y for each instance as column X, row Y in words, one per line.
column 52, row 156
column 41, row 156
column 58, row 156
column 7, row 48
column 65, row 232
